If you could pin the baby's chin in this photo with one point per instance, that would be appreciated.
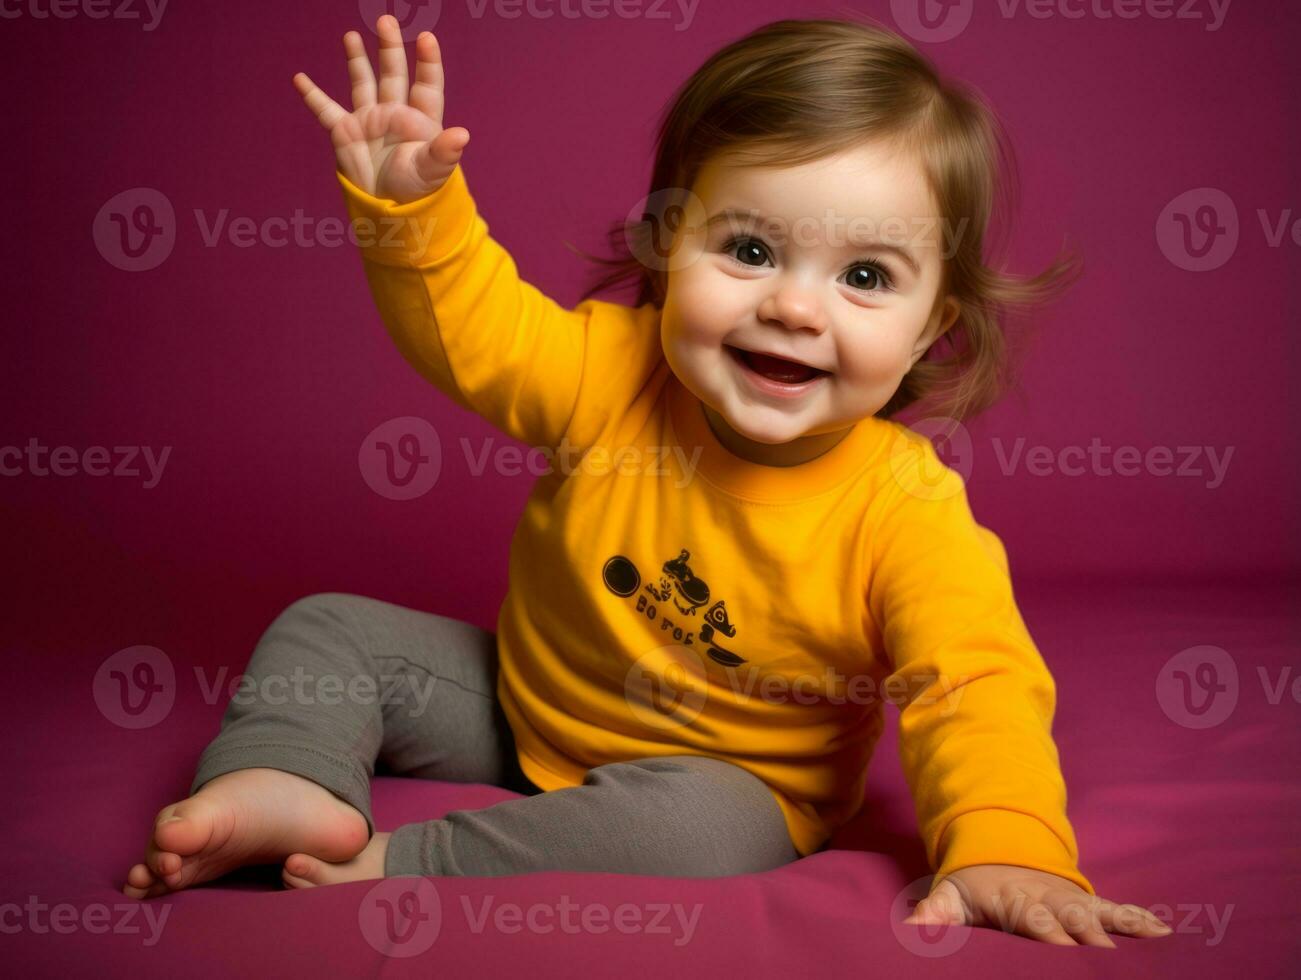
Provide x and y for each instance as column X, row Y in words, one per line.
column 767, row 436
column 767, row 426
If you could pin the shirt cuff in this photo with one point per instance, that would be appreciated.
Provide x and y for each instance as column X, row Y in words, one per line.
column 995, row 836
column 419, row 233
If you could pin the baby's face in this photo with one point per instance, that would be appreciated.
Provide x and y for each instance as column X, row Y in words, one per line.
column 804, row 270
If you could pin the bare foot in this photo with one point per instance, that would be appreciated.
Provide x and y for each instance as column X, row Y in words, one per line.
column 249, row 816
column 306, row 871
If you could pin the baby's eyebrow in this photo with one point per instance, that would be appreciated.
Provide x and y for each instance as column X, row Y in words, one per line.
column 749, row 218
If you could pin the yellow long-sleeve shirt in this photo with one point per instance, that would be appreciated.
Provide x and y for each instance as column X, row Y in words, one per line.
column 668, row 597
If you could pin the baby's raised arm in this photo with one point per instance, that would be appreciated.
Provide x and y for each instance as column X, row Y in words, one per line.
column 450, row 295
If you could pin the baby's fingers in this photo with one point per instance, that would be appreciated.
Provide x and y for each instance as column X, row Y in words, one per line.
column 392, row 60
column 1130, row 920
column 1040, row 922
column 327, row 111
column 350, row 149
column 360, row 72
column 1078, row 916
column 436, row 160
column 427, row 93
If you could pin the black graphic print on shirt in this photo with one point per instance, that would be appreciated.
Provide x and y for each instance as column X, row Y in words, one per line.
column 680, row 591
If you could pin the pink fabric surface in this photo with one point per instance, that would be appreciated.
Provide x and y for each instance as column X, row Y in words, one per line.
column 1202, row 822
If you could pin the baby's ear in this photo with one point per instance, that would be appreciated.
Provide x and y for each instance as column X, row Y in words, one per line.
column 949, row 316
column 941, row 320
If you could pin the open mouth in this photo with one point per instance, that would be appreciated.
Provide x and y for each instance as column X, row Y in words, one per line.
column 775, row 369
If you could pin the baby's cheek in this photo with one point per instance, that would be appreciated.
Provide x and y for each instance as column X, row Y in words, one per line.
column 698, row 309
column 876, row 362
column 689, row 286
column 680, row 339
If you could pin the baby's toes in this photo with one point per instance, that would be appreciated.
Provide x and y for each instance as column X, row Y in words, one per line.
column 140, row 883
column 161, row 863
column 138, row 879
column 184, row 871
column 303, row 871
column 156, row 889
column 186, row 827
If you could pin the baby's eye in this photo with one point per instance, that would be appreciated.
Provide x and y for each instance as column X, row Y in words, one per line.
column 747, row 249
column 867, row 276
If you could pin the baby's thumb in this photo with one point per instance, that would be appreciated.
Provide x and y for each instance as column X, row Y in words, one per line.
column 436, row 160
column 937, row 909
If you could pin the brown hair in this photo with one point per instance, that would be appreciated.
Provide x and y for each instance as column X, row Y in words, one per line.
column 797, row 91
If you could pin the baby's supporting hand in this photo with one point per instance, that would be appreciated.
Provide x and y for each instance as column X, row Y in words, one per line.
column 1034, row 904
column 394, row 147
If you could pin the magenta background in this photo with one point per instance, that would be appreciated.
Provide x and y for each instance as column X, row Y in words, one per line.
column 264, row 368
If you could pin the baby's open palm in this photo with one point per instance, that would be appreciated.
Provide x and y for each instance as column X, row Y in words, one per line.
column 393, row 144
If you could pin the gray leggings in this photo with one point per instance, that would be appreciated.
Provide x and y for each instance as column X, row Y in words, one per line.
column 343, row 683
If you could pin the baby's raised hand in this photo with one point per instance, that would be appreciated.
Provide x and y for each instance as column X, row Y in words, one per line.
column 392, row 145
column 1031, row 903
